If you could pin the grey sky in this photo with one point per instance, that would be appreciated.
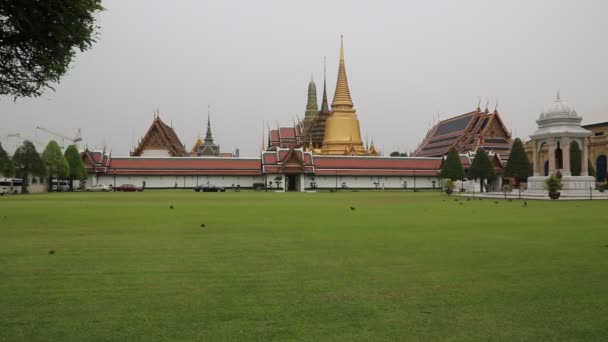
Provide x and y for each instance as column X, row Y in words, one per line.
column 252, row 60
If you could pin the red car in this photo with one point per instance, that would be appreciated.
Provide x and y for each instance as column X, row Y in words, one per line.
column 129, row 187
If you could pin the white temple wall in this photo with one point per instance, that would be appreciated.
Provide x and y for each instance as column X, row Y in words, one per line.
column 369, row 182
column 322, row 182
column 181, row 182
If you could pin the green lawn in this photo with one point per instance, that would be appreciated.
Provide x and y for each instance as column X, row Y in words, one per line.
column 300, row 266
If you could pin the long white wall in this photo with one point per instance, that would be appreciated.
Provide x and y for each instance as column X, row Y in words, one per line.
column 179, row 182
column 389, row 182
column 322, row 182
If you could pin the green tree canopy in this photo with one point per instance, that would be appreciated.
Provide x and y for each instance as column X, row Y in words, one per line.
column 452, row 167
column 76, row 169
column 56, row 165
column 518, row 165
column 482, row 168
column 394, row 154
column 38, row 41
column 7, row 169
column 28, row 162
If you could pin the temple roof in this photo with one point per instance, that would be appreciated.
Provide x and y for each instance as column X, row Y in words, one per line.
column 560, row 119
column 161, row 135
column 184, row 166
column 467, row 132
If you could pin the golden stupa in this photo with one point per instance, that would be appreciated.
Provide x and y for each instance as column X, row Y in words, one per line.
column 342, row 132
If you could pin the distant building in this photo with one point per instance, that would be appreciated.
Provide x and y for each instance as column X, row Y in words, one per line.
column 466, row 133
column 598, row 149
column 160, row 141
column 206, row 147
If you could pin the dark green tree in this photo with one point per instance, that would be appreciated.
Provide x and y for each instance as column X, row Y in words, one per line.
column 39, row 39
column 482, row 168
column 76, row 168
column 403, row 154
column 518, row 166
column 394, row 154
column 575, row 160
column 452, row 167
column 7, row 169
column 28, row 162
column 56, row 165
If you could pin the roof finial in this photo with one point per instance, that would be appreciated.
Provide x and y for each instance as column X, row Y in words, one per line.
column 479, row 104
column 487, row 102
column 341, row 48
column 496, row 107
column 558, row 97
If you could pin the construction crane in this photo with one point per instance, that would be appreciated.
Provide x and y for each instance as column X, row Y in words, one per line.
column 74, row 140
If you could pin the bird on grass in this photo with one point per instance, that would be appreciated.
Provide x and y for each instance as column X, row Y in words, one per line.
column 203, row 225
column 51, row 252
column 171, row 206
column 495, row 202
column 525, row 204
column 461, row 203
column 353, row 208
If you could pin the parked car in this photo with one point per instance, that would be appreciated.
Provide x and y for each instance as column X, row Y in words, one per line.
column 209, row 188
column 98, row 187
column 60, row 185
column 130, row 188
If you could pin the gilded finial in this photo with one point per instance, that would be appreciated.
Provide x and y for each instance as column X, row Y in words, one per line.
column 558, row 97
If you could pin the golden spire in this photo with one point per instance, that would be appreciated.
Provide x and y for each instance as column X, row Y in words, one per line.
column 342, row 97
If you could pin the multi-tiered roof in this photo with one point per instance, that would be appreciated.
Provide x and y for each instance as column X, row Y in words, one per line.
column 467, row 132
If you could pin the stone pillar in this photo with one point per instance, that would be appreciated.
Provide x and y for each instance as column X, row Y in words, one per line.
column 565, row 143
column 585, row 157
column 552, row 147
column 536, row 158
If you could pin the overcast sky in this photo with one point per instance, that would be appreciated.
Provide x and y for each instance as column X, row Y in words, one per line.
column 407, row 62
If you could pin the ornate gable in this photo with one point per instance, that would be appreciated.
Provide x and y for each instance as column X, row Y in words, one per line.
column 160, row 137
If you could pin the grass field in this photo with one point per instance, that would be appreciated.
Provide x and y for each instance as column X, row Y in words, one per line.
column 300, row 266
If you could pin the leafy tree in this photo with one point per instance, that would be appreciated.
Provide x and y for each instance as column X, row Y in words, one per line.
column 28, row 162
column 76, row 169
column 403, row 154
column 38, row 41
column 56, row 165
column 394, row 154
column 482, row 168
column 7, row 169
column 518, row 165
column 575, row 160
column 452, row 167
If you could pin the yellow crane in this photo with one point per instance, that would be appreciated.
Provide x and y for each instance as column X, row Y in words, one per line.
column 74, row 140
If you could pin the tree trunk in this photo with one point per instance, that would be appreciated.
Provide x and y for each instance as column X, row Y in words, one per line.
column 50, row 185
column 480, row 185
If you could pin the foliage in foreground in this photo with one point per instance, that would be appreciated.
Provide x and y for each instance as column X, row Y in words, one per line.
column 518, row 166
column 38, row 41
column 452, row 167
column 7, row 169
column 482, row 168
column 27, row 162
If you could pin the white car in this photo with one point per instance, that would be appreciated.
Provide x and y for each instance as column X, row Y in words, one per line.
column 98, row 187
